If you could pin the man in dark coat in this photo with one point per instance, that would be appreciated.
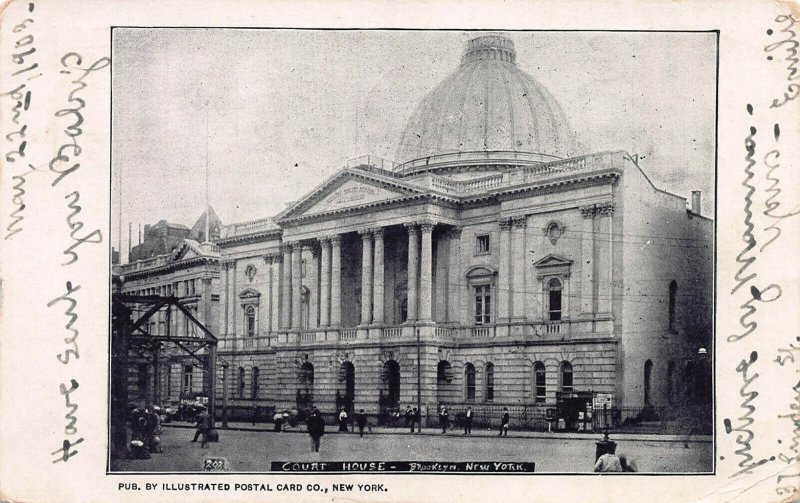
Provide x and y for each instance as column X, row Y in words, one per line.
column 444, row 418
column 504, row 422
column 316, row 428
column 415, row 418
column 361, row 420
column 468, row 421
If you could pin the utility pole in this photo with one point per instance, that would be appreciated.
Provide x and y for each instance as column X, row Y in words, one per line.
column 419, row 379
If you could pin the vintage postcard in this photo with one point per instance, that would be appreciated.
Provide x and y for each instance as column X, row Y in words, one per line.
column 266, row 251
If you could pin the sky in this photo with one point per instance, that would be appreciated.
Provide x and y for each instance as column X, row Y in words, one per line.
column 272, row 113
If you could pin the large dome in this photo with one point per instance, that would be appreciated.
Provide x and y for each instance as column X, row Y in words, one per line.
column 487, row 104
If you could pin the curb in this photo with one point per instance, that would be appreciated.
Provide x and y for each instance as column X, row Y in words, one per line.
column 698, row 439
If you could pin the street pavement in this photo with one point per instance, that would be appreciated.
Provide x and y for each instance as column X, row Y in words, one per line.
column 253, row 450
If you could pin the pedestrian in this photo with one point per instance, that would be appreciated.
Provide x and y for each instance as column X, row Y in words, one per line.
column 409, row 416
column 203, row 427
column 316, row 428
column 504, row 422
column 414, row 418
column 444, row 416
column 361, row 420
column 468, row 421
column 278, row 419
column 608, row 462
column 627, row 464
column 254, row 414
column 343, row 421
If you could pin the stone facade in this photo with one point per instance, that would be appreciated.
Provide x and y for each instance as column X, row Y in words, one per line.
column 485, row 278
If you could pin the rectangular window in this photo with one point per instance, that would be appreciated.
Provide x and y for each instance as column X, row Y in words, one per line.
column 540, row 384
column 489, row 382
column 303, row 268
column 187, row 379
column 555, row 305
column 482, row 244
column 483, row 304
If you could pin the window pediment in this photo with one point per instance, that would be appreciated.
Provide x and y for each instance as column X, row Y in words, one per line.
column 249, row 294
column 481, row 272
column 552, row 265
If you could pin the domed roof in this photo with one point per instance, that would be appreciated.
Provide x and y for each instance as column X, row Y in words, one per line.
column 487, row 104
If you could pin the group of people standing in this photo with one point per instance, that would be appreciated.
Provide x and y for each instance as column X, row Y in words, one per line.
column 444, row 420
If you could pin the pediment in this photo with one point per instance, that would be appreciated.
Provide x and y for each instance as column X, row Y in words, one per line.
column 249, row 293
column 350, row 189
column 552, row 261
column 186, row 250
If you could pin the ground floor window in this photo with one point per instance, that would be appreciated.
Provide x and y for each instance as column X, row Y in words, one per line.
column 469, row 379
column 489, row 382
column 566, row 377
column 539, row 381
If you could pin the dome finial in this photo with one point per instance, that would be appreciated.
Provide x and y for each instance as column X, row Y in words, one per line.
column 488, row 47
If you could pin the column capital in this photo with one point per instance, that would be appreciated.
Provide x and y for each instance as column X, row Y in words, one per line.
column 365, row 233
column 505, row 223
column 411, row 226
column 324, row 240
column 378, row 232
column 273, row 258
column 605, row 209
column 335, row 240
column 519, row 221
column 287, row 247
column 427, row 225
column 587, row 211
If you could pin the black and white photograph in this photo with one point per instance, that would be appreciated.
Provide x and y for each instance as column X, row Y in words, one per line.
column 432, row 251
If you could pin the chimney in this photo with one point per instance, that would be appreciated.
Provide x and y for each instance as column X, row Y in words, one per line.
column 696, row 202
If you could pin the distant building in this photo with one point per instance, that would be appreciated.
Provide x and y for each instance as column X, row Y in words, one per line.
column 533, row 277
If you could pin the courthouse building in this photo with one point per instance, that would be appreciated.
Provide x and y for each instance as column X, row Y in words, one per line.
column 493, row 264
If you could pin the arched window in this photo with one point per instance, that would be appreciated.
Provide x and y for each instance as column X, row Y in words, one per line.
column 250, row 320
column 306, row 375
column 240, row 383
column 254, row 384
column 565, row 377
column 444, row 372
column 489, row 382
column 469, row 379
column 554, row 299
column 671, row 382
column 648, row 370
column 673, row 292
column 539, row 381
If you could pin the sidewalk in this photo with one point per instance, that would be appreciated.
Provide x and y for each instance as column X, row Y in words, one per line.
column 455, row 432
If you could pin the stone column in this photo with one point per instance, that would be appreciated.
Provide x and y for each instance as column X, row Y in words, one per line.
column 426, row 272
column 180, row 317
column 297, row 285
column 275, row 275
column 378, row 315
column 325, row 282
column 205, row 302
column 413, row 273
column 268, row 263
column 455, row 280
column 225, row 296
column 587, row 260
column 604, row 247
column 504, row 278
column 518, row 251
column 312, row 283
column 286, row 305
column 336, row 281
column 366, row 276
column 234, row 300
